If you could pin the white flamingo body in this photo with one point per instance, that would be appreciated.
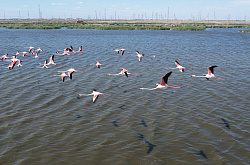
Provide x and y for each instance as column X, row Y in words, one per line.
column 123, row 72
column 178, row 66
column 63, row 75
column 19, row 63
column 4, row 57
column 163, row 84
column 210, row 74
column 71, row 71
column 45, row 64
column 11, row 65
column 95, row 95
column 139, row 55
column 98, row 64
column 51, row 61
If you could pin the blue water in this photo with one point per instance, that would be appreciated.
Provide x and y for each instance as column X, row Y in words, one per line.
column 43, row 121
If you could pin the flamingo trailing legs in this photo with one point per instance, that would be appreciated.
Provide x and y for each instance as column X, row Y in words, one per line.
column 210, row 74
column 163, row 83
column 95, row 95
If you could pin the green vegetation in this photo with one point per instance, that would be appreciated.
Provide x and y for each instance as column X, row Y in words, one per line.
column 245, row 31
column 118, row 25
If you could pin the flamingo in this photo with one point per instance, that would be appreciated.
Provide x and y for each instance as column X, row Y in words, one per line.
column 98, row 64
column 64, row 53
column 122, row 51
column 14, row 58
column 63, row 75
column 45, row 64
column 39, row 50
column 51, row 61
column 17, row 53
column 4, row 57
column 11, row 65
column 140, row 55
column 71, row 71
column 80, row 49
column 24, row 53
column 95, row 93
column 163, row 83
column 123, row 72
column 36, row 56
column 30, row 48
column 210, row 73
column 117, row 50
column 181, row 68
column 19, row 63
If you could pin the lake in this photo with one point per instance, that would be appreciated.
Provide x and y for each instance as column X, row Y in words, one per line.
column 44, row 121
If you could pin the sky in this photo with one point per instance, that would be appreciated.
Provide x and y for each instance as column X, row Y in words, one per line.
column 126, row 9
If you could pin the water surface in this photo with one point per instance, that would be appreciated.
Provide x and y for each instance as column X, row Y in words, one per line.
column 43, row 121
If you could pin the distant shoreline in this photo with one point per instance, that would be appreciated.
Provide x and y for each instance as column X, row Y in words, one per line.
column 128, row 21
column 184, row 25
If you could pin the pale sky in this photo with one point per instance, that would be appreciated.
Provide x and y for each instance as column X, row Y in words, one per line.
column 127, row 9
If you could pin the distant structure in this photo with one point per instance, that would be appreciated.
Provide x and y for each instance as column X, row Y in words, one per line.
column 40, row 13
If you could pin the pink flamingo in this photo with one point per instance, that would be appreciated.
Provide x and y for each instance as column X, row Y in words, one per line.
column 45, row 65
column 95, row 93
column 140, row 56
column 98, row 64
column 39, row 50
column 24, row 53
column 117, row 50
column 51, row 61
column 123, row 72
column 181, row 68
column 11, row 65
column 17, row 53
column 210, row 73
column 63, row 75
column 4, row 57
column 71, row 71
column 163, row 83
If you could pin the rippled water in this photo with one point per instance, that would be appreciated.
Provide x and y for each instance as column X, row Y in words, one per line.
column 43, row 121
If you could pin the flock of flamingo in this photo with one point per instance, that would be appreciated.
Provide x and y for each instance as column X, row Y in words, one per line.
column 68, row 73
column 15, row 61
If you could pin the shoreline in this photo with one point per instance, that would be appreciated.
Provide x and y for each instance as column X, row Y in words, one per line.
column 185, row 25
column 123, row 21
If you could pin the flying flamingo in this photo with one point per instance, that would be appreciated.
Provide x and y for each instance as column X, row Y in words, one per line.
column 80, row 49
column 123, row 72
column 24, row 53
column 210, row 73
column 36, row 56
column 51, row 61
column 163, row 83
column 95, row 93
column 4, row 57
column 117, row 50
column 181, row 68
column 45, row 65
column 71, row 71
column 140, row 55
column 17, row 53
column 19, row 63
column 70, row 49
column 63, row 75
column 39, row 50
column 30, row 49
column 122, row 51
column 98, row 64
column 11, row 65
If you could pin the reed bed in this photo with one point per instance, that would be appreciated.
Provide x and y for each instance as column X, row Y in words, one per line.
column 245, row 31
column 116, row 25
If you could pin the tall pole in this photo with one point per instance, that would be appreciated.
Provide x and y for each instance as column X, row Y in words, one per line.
column 168, row 13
